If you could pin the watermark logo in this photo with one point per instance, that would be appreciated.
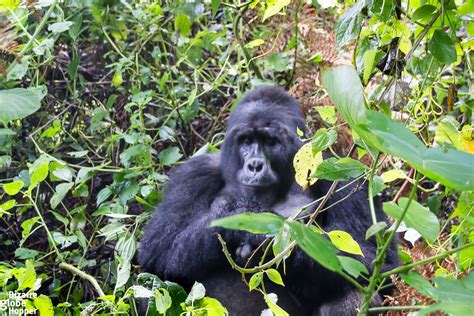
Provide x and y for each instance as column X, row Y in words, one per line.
column 15, row 304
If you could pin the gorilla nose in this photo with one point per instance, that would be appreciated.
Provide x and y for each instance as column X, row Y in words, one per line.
column 255, row 165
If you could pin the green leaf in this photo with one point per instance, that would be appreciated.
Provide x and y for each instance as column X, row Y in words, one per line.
column 256, row 223
column 25, row 253
column 392, row 175
column 197, row 292
column 20, row 102
column 13, row 188
column 255, row 280
column 26, row 276
column 442, row 47
column 274, row 276
column 374, row 229
column 103, row 195
column 40, row 173
column 60, row 27
column 349, row 24
column 282, row 239
column 276, row 310
column 255, row 43
column 215, row 4
column 322, row 139
column 454, row 296
column 345, row 89
column 416, row 280
column 423, row 12
column 450, row 167
column 212, row 307
column 316, row 246
column 342, row 169
column 369, row 59
column 327, row 113
column 182, row 24
column 61, row 191
column 162, row 300
column 352, row 266
column 344, row 241
column 274, row 8
column 417, row 217
column 169, row 156
column 44, row 305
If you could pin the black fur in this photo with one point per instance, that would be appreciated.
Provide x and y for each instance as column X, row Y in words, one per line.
column 178, row 244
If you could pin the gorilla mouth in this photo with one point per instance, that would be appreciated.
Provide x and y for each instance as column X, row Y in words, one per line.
column 258, row 182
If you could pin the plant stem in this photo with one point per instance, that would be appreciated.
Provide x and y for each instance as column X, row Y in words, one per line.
column 425, row 261
column 395, row 308
column 33, row 37
column 83, row 275
column 380, row 257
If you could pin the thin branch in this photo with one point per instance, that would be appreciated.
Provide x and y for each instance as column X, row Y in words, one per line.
column 84, row 276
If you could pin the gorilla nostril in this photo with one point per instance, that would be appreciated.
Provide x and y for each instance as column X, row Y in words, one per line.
column 255, row 166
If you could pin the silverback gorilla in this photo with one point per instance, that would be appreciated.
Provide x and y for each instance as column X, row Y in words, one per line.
column 253, row 173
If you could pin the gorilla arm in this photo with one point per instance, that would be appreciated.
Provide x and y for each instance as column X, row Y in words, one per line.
column 177, row 243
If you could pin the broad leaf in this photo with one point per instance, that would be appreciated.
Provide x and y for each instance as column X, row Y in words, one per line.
column 322, row 139
column 442, row 47
column 13, row 188
column 417, row 281
column 20, row 102
column 344, row 241
column 316, row 246
column 417, row 216
column 454, row 296
column 342, row 169
column 374, row 229
column 352, row 266
column 450, row 167
column 256, row 223
column 305, row 163
column 349, row 24
column 61, row 191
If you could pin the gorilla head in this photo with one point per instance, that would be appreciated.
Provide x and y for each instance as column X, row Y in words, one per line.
column 261, row 142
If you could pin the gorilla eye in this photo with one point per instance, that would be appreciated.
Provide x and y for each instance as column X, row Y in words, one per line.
column 272, row 141
column 247, row 140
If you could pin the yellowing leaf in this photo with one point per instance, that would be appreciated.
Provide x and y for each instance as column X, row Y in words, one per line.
column 13, row 188
column 276, row 310
column 392, row 175
column 345, row 242
column 305, row 163
column 467, row 141
column 44, row 305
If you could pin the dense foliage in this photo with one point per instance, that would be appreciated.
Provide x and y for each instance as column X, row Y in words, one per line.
column 100, row 98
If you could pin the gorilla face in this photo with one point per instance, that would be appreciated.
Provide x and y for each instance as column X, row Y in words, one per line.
column 260, row 144
column 256, row 148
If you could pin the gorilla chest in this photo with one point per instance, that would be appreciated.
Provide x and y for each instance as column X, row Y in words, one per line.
column 292, row 204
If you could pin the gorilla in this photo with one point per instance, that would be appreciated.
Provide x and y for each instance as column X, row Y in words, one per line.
column 254, row 173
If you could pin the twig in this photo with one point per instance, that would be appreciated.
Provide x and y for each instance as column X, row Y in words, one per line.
column 424, row 261
column 404, row 185
column 84, row 276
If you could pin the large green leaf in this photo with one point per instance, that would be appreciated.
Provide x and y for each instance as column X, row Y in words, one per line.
column 316, row 246
column 256, row 223
column 450, row 167
column 442, row 47
column 339, row 169
column 20, row 102
column 455, row 297
column 349, row 24
column 417, row 217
